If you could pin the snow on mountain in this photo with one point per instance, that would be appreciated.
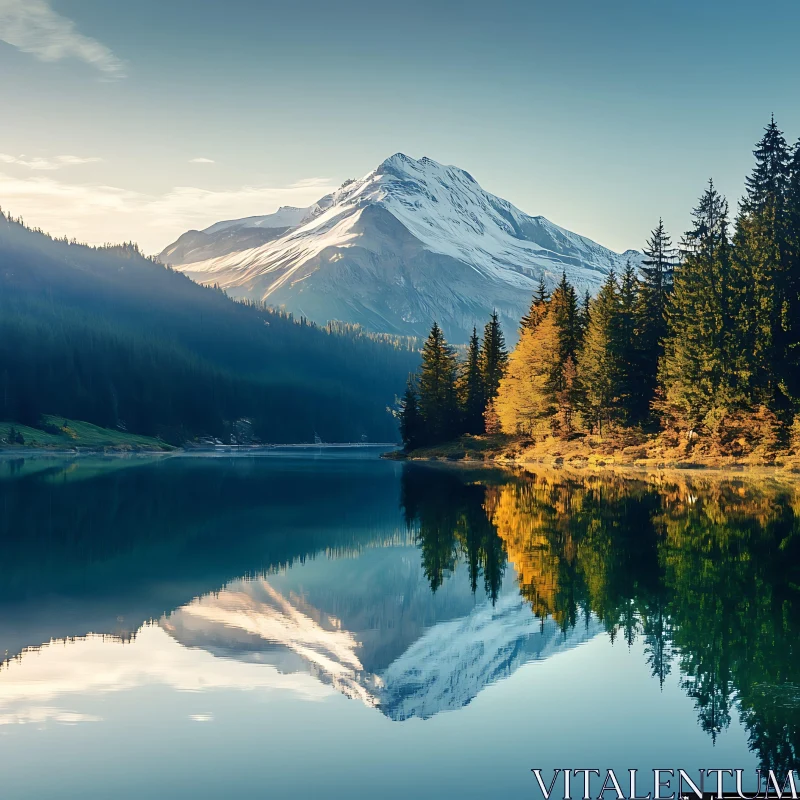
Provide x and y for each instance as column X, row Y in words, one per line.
column 386, row 641
column 446, row 668
column 411, row 242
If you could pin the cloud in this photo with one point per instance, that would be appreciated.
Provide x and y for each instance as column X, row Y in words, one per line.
column 97, row 213
column 201, row 161
column 46, row 163
column 33, row 27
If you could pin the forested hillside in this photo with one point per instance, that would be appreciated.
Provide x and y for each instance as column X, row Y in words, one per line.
column 110, row 337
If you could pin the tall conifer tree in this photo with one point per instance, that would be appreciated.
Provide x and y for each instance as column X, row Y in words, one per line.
column 696, row 370
column 599, row 358
column 411, row 424
column 564, row 307
column 631, row 391
column 437, row 388
column 471, row 392
column 655, row 286
column 494, row 357
column 792, row 312
column 568, row 321
column 762, row 259
column 584, row 312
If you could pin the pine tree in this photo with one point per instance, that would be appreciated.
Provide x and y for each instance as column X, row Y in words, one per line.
column 792, row 308
column 632, row 402
column 598, row 361
column 411, row 424
column 658, row 266
column 762, row 257
column 564, row 307
column 538, row 308
column 769, row 180
column 567, row 398
column 655, row 286
column 584, row 313
column 494, row 357
column 697, row 369
column 470, row 389
column 438, row 404
column 568, row 321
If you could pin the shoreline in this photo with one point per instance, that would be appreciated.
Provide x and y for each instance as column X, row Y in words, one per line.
column 594, row 457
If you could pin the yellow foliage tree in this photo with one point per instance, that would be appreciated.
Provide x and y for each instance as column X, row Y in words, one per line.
column 526, row 399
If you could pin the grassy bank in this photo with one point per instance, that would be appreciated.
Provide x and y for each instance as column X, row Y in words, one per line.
column 629, row 448
column 57, row 433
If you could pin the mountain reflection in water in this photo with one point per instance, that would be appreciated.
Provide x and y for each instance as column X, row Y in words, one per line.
column 407, row 587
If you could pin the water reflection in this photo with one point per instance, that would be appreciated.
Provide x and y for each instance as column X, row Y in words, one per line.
column 409, row 588
column 704, row 570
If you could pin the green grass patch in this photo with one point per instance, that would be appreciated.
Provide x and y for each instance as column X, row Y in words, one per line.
column 57, row 433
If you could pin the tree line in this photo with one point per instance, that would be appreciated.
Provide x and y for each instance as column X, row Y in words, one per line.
column 698, row 339
column 448, row 397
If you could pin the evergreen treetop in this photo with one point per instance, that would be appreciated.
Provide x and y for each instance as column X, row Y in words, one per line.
column 598, row 361
column 564, row 307
column 658, row 266
column 769, row 179
column 437, row 387
column 472, row 395
column 764, row 263
column 494, row 356
column 538, row 308
column 656, row 278
column 584, row 312
column 696, row 369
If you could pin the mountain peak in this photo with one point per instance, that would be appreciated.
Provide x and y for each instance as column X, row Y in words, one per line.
column 412, row 241
column 401, row 164
column 397, row 159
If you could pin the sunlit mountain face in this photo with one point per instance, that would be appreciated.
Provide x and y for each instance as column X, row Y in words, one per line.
column 414, row 591
column 411, row 242
column 389, row 643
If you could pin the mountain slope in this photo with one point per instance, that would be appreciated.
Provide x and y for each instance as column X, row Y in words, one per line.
column 106, row 336
column 411, row 242
column 408, row 655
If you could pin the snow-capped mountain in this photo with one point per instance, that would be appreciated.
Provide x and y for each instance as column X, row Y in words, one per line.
column 384, row 639
column 411, row 242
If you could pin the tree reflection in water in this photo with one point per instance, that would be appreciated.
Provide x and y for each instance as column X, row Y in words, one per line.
column 703, row 569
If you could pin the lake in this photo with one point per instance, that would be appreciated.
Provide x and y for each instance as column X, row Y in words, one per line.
column 329, row 624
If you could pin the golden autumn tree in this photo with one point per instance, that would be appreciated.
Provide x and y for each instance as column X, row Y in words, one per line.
column 526, row 400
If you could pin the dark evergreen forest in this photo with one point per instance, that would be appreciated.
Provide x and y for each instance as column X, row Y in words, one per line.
column 108, row 336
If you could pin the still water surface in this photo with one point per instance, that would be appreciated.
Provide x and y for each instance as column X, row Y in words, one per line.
column 335, row 625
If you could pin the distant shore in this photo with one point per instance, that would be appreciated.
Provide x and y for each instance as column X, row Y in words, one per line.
column 126, row 450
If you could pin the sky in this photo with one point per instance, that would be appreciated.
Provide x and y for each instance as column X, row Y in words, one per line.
column 140, row 119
